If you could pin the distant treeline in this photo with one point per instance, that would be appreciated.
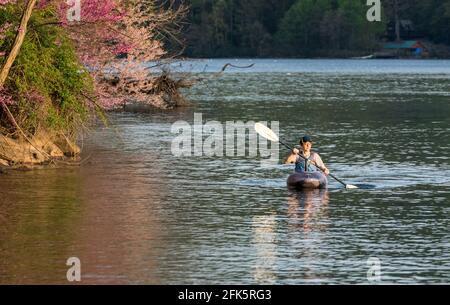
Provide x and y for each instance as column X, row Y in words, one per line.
column 308, row 28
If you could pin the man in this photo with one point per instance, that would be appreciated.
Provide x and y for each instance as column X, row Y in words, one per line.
column 302, row 165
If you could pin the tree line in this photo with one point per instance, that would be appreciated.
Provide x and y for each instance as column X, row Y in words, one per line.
column 308, row 28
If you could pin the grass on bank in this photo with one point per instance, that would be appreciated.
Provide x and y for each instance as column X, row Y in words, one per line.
column 47, row 81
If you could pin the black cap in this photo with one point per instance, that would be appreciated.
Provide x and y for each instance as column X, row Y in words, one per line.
column 305, row 139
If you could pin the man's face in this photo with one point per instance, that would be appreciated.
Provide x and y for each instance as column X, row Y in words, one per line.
column 307, row 146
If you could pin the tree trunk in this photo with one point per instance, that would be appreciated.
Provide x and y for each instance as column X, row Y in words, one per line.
column 18, row 42
column 397, row 20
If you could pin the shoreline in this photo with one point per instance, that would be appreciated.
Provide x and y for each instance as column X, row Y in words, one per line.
column 42, row 149
column 309, row 58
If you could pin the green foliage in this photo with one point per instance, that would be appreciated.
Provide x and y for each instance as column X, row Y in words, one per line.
column 305, row 27
column 434, row 16
column 301, row 28
column 324, row 27
column 47, row 80
column 242, row 28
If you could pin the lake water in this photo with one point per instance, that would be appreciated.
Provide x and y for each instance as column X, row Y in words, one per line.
column 134, row 213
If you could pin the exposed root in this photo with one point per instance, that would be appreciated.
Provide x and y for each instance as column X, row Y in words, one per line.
column 161, row 92
column 170, row 90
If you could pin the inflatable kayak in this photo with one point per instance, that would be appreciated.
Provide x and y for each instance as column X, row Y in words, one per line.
column 307, row 180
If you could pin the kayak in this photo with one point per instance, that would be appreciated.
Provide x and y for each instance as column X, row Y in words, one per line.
column 307, row 180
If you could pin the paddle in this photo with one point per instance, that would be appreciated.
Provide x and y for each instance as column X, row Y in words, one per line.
column 267, row 133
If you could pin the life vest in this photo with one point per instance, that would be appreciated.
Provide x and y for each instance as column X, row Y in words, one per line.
column 303, row 165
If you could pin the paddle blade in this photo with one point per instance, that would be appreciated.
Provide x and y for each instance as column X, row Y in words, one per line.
column 266, row 132
column 349, row 186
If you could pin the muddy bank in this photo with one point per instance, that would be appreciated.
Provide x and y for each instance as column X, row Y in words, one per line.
column 42, row 148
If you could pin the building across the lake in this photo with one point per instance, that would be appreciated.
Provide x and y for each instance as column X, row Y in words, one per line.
column 406, row 48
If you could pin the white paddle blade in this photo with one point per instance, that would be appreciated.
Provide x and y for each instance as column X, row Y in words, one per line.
column 266, row 132
column 349, row 186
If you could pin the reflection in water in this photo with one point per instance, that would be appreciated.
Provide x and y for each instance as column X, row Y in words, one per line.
column 102, row 213
column 120, row 233
column 307, row 221
column 308, row 209
column 136, row 214
column 307, row 217
column 40, row 213
column 264, row 240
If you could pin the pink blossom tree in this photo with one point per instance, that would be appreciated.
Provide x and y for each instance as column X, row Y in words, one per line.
column 97, row 60
column 114, row 38
column 109, row 29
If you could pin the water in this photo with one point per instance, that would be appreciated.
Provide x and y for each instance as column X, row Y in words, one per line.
column 133, row 213
column 335, row 66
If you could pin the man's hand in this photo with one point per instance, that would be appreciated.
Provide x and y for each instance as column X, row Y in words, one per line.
column 295, row 151
column 325, row 170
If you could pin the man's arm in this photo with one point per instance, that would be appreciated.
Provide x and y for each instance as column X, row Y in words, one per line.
column 291, row 159
column 318, row 161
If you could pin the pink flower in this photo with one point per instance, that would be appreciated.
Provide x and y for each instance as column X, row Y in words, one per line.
column 3, row 29
column 35, row 97
column 5, row 98
column 5, row 2
column 123, row 48
column 108, row 28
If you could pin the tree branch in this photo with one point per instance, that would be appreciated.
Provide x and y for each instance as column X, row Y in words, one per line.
column 18, row 42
